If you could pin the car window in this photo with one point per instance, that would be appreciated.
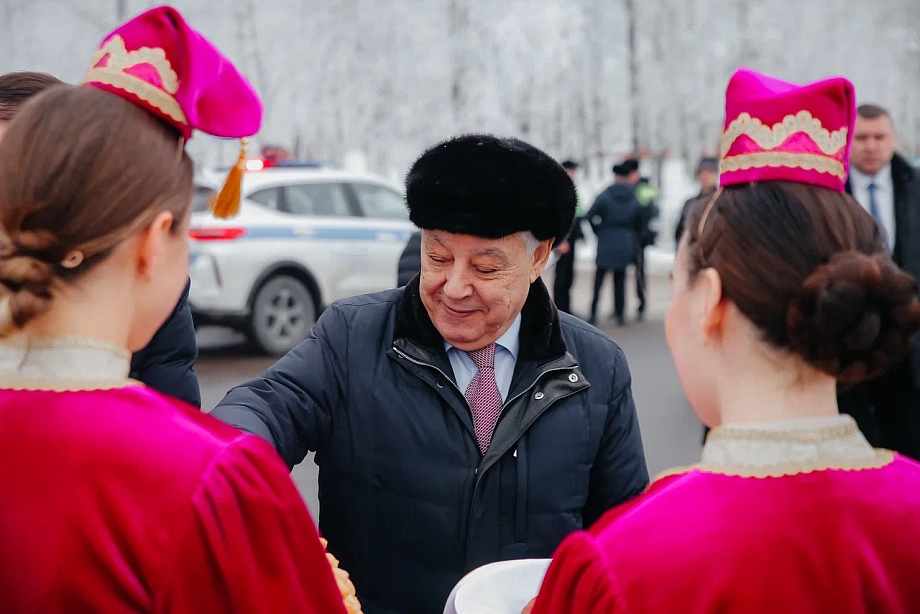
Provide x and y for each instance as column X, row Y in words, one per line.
column 327, row 199
column 269, row 197
column 201, row 198
column 381, row 202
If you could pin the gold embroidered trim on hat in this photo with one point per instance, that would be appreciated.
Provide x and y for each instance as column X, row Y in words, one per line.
column 881, row 458
column 769, row 138
column 121, row 59
column 809, row 162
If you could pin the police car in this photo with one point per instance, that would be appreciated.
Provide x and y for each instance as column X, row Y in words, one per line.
column 304, row 238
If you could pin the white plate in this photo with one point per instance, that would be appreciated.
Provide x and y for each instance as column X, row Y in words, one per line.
column 498, row 588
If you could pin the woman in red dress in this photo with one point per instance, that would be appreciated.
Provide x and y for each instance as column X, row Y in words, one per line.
column 115, row 498
column 783, row 288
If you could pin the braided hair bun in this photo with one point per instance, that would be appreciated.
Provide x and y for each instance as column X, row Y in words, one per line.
column 854, row 316
column 809, row 267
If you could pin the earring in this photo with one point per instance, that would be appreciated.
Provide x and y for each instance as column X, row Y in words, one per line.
column 73, row 259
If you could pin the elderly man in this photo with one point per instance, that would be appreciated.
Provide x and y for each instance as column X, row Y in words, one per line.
column 460, row 420
column 167, row 364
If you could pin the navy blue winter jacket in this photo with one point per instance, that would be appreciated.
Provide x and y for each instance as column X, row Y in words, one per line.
column 407, row 501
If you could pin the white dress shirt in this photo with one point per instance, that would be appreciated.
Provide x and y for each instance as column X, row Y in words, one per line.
column 506, row 353
column 884, row 198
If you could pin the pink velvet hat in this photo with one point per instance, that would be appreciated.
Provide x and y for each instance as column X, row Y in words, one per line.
column 158, row 62
column 779, row 131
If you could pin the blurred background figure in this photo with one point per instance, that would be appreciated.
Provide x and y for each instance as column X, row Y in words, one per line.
column 273, row 154
column 707, row 174
column 565, row 265
column 887, row 409
column 616, row 218
column 646, row 236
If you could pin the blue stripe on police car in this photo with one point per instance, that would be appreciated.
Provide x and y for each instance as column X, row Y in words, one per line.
column 329, row 233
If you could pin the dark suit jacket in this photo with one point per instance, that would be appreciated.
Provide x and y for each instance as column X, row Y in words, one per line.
column 906, row 253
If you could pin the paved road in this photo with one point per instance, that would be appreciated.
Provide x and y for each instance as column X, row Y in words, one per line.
column 670, row 431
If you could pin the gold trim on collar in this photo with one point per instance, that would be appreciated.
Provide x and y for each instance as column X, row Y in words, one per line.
column 808, row 162
column 880, row 459
column 120, row 59
column 769, row 138
column 30, row 384
column 799, row 435
column 71, row 341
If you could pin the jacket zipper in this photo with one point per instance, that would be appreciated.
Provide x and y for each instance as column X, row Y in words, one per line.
column 430, row 366
column 469, row 522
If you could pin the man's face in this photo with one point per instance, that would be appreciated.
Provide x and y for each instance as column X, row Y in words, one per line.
column 873, row 144
column 708, row 179
column 571, row 173
column 633, row 177
column 474, row 288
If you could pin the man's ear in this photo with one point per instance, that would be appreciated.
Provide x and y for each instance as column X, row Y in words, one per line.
column 540, row 258
column 151, row 242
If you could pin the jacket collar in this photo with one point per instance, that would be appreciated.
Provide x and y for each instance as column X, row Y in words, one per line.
column 541, row 337
column 902, row 173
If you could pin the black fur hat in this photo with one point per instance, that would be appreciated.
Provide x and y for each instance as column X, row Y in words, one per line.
column 490, row 187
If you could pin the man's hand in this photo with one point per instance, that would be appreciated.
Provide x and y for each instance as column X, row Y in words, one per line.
column 529, row 607
column 564, row 248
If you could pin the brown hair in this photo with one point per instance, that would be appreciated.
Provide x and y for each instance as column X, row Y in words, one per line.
column 872, row 111
column 808, row 266
column 80, row 169
column 18, row 87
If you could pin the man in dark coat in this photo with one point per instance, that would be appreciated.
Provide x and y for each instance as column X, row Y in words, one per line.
column 615, row 217
column 565, row 265
column 646, row 236
column 463, row 419
column 707, row 173
column 887, row 409
column 167, row 363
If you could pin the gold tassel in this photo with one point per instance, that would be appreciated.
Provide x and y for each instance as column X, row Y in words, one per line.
column 227, row 202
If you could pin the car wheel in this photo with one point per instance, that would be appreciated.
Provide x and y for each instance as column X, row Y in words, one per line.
column 283, row 313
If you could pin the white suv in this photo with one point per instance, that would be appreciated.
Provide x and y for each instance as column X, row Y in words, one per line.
column 304, row 237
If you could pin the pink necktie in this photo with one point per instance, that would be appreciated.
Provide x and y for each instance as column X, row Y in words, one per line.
column 483, row 396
